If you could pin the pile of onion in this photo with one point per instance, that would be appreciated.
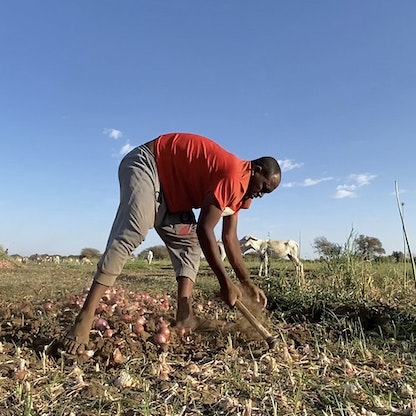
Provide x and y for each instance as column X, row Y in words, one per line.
column 162, row 335
column 138, row 325
column 140, row 311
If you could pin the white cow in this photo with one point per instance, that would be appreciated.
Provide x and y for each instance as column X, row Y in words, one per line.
column 280, row 248
column 260, row 247
column 150, row 256
column 221, row 249
column 86, row 260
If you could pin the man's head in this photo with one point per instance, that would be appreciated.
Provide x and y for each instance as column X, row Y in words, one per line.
column 265, row 177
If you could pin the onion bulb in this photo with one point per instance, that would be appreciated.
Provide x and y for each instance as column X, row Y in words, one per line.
column 163, row 334
column 48, row 305
column 108, row 333
column 126, row 317
column 138, row 328
column 160, row 338
column 101, row 324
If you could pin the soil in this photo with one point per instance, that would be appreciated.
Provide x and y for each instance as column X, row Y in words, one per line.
column 31, row 333
column 222, row 368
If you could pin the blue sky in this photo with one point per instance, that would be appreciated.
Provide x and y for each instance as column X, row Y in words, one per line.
column 326, row 87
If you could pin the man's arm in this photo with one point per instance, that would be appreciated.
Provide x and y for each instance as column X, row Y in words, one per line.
column 233, row 250
column 208, row 218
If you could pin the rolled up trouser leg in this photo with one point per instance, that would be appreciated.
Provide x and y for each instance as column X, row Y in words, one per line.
column 178, row 231
column 104, row 278
column 139, row 202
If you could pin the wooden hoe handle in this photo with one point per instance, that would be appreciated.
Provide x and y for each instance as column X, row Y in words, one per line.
column 257, row 325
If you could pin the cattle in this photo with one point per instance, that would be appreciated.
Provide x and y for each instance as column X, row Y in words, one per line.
column 278, row 248
column 73, row 259
column 221, row 249
column 150, row 256
column 36, row 258
column 17, row 258
column 86, row 260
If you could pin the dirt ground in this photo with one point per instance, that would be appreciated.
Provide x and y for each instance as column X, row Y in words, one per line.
column 350, row 359
column 123, row 346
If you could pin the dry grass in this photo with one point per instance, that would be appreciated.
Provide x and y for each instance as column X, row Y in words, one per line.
column 346, row 347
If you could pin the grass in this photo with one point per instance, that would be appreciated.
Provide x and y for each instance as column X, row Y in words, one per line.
column 346, row 347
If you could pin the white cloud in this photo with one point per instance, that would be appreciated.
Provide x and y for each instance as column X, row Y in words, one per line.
column 313, row 182
column 345, row 191
column 355, row 181
column 113, row 133
column 125, row 149
column 362, row 179
column 306, row 182
column 288, row 164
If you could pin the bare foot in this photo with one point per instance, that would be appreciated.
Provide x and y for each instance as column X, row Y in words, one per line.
column 186, row 323
column 76, row 340
column 188, row 326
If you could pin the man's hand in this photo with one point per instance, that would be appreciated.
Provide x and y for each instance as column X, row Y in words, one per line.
column 230, row 293
column 255, row 293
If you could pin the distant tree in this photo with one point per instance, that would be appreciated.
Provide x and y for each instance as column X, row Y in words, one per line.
column 397, row 256
column 325, row 248
column 159, row 253
column 368, row 247
column 90, row 253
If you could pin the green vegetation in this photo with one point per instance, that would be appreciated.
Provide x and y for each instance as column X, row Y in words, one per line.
column 346, row 345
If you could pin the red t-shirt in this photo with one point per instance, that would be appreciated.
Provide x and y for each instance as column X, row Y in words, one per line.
column 191, row 166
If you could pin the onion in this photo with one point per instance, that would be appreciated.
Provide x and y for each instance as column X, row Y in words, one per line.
column 160, row 338
column 108, row 333
column 165, row 331
column 118, row 356
column 89, row 353
column 118, row 310
column 181, row 331
column 126, row 317
column 71, row 299
column 102, row 307
column 141, row 320
column 101, row 324
column 163, row 334
column 48, row 305
column 164, row 304
column 138, row 328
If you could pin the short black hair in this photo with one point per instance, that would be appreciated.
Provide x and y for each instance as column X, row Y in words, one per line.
column 269, row 165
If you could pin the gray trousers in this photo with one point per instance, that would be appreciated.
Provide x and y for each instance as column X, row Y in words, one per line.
column 142, row 207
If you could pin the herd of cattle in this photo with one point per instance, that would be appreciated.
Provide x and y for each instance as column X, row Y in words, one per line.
column 54, row 259
column 263, row 248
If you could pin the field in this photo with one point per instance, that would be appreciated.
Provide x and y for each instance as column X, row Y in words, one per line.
column 345, row 345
